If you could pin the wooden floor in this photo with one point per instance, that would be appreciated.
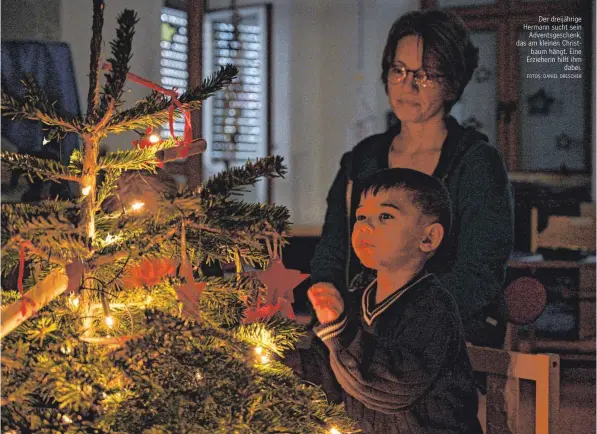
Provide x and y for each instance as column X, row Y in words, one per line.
column 577, row 401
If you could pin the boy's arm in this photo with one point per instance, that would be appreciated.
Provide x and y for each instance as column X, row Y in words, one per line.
column 389, row 379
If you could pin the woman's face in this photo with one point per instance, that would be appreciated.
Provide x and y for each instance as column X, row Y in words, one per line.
column 412, row 103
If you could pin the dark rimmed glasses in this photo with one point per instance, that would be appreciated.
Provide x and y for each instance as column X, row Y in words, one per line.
column 422, row 78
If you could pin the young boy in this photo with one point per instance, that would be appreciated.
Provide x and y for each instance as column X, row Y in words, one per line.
column 401, row 358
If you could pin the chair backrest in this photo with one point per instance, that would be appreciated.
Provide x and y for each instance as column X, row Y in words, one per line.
column 565, row 232
column 510, row 406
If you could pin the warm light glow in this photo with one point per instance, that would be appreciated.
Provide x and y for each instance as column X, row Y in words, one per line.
column 264, row 359
column 334, row 431
column 154, row 138
column 74, row 301
column 149, row 299
column 85, row 191
column 110, row 239
column 66, row 419
column 65, row 350
column 137, row 206
column 198, row 376
column 109, row 321
column 258, row 350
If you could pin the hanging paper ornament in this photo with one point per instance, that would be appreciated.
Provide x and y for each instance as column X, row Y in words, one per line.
column 149, row 272
column 74, row 271
column 189, row 294
column 279, row 284
column 254, row 314
column 280, row 281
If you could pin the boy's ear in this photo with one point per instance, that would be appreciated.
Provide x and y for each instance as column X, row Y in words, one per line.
column 434, row 234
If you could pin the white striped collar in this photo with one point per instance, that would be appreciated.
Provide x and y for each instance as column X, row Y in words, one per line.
column 371, row 310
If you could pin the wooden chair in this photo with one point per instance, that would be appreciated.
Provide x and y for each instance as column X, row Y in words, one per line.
column 568, row 233
column 565, row 232
column 510, row 406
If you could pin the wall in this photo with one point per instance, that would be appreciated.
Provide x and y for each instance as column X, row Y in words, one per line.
column 31, row 19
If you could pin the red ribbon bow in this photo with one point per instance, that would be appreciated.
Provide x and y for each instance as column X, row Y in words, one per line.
column 175, row 103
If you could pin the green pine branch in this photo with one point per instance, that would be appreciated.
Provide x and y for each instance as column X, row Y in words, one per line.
column 135, row 159
column 121, row 56
column 35, row 105
column 230, row 182
column 49, row 227
column 43, row 168
column 255, row 218
column 153, row 110
column 94, row 58
column 277, row 334
column 75, row 164
column 107, row 187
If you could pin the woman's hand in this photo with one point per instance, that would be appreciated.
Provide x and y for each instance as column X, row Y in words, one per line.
column 327, row 301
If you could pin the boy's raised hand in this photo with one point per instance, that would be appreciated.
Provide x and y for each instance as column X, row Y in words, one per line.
column 327, row 301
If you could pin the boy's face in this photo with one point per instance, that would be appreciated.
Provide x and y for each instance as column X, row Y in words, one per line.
column 390, row 231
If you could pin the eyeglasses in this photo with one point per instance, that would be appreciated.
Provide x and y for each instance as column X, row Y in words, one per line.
column 422, row 78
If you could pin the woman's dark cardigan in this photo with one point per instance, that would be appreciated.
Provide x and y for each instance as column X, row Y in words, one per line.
column 472, row 264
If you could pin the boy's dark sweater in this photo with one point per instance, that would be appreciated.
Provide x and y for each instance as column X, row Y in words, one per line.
column 403, row 364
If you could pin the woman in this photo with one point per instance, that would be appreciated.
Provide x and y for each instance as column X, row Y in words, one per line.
column 427, row 62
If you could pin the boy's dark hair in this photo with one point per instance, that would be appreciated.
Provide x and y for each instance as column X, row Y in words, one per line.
column 427, row 193
column 445, row 38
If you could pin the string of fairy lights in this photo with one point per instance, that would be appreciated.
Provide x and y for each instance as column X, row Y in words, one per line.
column 261, row 356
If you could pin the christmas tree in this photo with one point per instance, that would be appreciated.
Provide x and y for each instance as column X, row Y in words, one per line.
column 113, row 326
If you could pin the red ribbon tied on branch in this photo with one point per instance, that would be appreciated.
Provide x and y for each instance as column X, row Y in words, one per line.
column 187, row 137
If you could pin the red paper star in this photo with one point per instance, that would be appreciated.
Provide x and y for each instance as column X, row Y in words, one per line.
column 188, row 294
column 283, row 306
column 280, row 281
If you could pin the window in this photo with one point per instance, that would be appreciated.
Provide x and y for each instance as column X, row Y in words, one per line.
column 174, row 57
column 236, row 120
column 540, row 123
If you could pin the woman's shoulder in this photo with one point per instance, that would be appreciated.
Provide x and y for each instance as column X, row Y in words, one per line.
column 477, row 153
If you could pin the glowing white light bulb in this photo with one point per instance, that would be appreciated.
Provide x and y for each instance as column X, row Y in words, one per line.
column 258, row 350
column 109, row 321
column 334, row 431
column 110, row 239
column 74, row 301
column 264, row 359
column 198, row 376
column 137, row 206
column 85, row 191
column 154, row 138
column 45, row 141
column 66, row 419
